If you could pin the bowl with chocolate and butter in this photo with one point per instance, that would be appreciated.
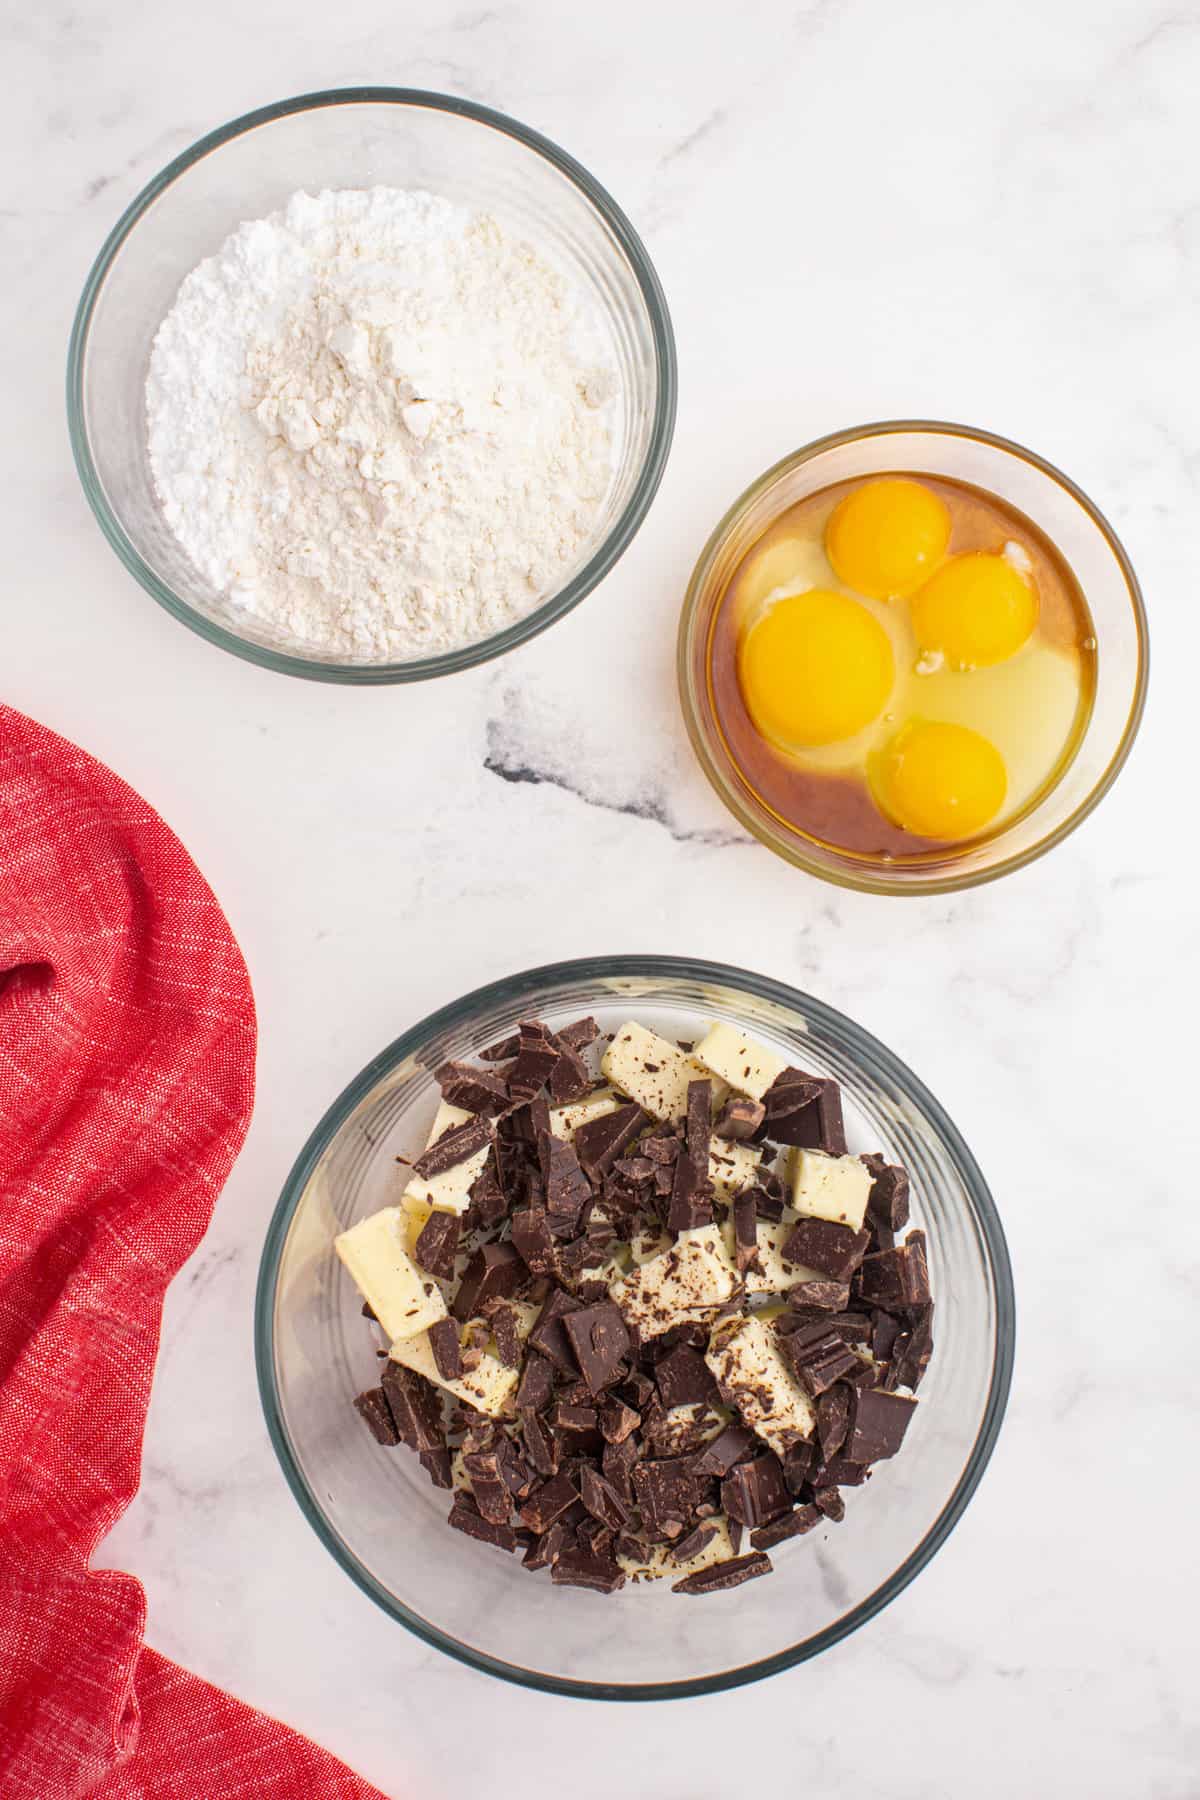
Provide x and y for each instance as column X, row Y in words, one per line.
column 635, row 1283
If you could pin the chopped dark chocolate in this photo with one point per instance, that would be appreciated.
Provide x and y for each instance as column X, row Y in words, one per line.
column 793, row 1524
column 878, row 1422
column 825, row 1296
column 599, row 1337
column 501, row 1051
column 373, row 1409
column 569, row 1078
column 887, row 1203
column 535, row 1059
column 446, row 1345
column 579, row 1033
column 740, row 1118
column 685, row 1379
column 503, row 1321
column 436, row 1464
column 698, row 1126
column 533, row 1240
column 814, row 1125
column 790, row 1092
column 840, row 1471
column 885, row 1329
column 798, row 1461
column 489, row 1202
column 578, row 1568
column 544, row 1549
column 602, row 1499
column 833, row 1418
column 548, row 1336
column 691, row 1195
column 830, row 1502
column 686, row 1547
column 494, row 1273
column 415, row 1407
column 599, row 1142
column 719, row 1576
column 898, row 1278
column 465, row 1516
column 617, row 1421
column 491, row 1491
column 548, row 1502
column 437, row 1244
column 536, row 1385
column 541, row 1446
column 833, row 1250
column 726, row 1449
column 568, row 1189
column 745, row 1230
column 755, row 1492
column 817, row 1361
column 912, row 1356
column 577, row 1426
column 454, row 1147
column 666, row 1491
column 617, row 1464
column 474, row 1090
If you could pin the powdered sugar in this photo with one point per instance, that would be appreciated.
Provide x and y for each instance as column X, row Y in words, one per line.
column 380, row 425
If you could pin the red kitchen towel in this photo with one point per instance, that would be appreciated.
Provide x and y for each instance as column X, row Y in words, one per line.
column 127, row 1038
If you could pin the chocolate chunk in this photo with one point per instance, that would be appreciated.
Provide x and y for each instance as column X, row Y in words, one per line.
column 617, row 1464
column 368, row 1311
column 542, row 1552
column 536, row 1385
column 465, row 1516
column 577, row 1426
column 578, row 1568
column 617, row 1421
column 474, row 1090
column 599, row 1337
column 569, row 1078
column 666, row 1491
column 740, row 1118
column 817, row 1361
column 534, row 1240
column 541, row 1446
column 698, row 1128
column 833, row 1418
column 830, row 1502
column 899, row 1278
column 692, row 1544
column 793, row 1524
column 489, row 1202
column 492, row 1496
column 579, row 1034
column 833, row 1250
column 567, row 1187
column 661, row 1147
column 437, row 1244
column 374, row 1410
column 745, row 1230
column 798, row 1461
column 769, row 1195
column 685, row 1379
column 595, row 1537
column 503, row 1321
column 415, row 1406
column 885, row 1329
column 454, row 1147
column 548, row 1502
column 502, row 1050
column 878, row 1423
column 887, row 1203
column 599, row 1142
column 691, row 1196
column 755, row 1492
column 494, row 1273
column 824, row 1296
column 602, row 1499
column 447, row 1349
column 518, row 1476
column 719, row 1576
column 839, row 1471
column 436, row 1464
column 728, row 1448
column 912, row 1355
column 816, row 1124
column 548, row 1336
column 535, row 1059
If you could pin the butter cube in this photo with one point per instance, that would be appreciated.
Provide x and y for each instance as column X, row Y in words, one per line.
column 686, row 1283
column 450, row 1191
column 745, row 1359
column 747, row 1066
column 653, row 1072
column 830, row 1187
column 403, row 1298
column 489, row 1388
column 566, row 1120
column 732, row 1167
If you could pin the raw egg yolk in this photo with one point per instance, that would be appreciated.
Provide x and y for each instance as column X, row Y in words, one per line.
column 938, row 780
column 816, row 668
column 887, row 537
column 978, row 609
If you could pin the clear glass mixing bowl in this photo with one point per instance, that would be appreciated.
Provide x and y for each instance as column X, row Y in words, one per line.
column 355, row 137
column 1079, row 531
column 376, row 1511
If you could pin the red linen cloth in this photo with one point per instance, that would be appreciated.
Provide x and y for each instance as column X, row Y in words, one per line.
column 127, row 1038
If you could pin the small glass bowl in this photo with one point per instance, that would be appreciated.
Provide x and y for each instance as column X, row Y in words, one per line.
column 1074, row 525
column 355, row 137
column 376, row 1511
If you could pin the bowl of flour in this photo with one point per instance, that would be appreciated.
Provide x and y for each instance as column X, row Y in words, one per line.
column 371, row 386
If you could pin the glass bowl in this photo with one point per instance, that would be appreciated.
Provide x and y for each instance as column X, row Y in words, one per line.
column 355, row 137
column 1081, row 534
column 378, row 1514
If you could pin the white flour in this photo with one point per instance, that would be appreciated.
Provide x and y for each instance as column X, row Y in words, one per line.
column 378, row 425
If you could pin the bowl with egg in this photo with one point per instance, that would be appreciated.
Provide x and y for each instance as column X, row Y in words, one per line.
column 482, row 1316
column 912, row 657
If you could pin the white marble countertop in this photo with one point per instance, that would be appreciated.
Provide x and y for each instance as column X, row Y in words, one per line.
column 858, row 211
